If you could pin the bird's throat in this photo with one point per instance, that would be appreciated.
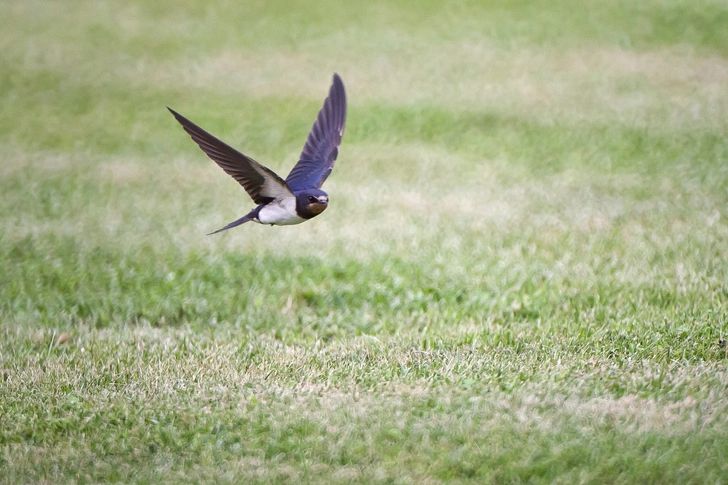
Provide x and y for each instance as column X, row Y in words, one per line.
column 308, row 211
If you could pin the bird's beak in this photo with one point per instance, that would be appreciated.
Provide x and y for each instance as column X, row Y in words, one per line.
column 323, row 199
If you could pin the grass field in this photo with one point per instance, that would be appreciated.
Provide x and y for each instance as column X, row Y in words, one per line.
column 522, row 276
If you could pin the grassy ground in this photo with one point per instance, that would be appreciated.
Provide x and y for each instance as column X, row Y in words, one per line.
column 522, row 276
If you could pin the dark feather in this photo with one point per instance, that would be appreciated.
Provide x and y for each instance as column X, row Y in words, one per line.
column 246, row 218
column 261, row 183
column 322, row 146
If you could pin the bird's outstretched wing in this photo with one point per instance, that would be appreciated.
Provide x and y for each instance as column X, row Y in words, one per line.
column 322, row 146
column 261, row 183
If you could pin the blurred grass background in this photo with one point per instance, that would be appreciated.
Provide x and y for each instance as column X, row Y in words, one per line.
column 521, row 277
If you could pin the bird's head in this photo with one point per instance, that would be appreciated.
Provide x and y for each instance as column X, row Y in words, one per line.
column 312, row 202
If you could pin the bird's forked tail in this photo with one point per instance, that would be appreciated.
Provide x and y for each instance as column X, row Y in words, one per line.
column 246, row 218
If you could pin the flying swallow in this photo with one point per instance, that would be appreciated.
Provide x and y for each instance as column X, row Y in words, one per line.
column 297, row 198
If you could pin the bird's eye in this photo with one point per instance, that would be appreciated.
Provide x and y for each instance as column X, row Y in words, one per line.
column 312, row 199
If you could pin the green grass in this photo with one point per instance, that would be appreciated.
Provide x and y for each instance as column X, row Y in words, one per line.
column 522, row 277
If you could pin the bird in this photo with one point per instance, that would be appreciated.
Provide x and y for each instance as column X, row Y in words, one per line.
column 297, row 198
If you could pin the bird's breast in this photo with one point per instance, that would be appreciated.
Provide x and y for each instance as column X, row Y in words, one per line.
column 280, row 213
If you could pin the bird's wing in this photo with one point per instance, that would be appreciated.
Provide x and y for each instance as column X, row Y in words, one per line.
column 322, row 146
column 261, row 183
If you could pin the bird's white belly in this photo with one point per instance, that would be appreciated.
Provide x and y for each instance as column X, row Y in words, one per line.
column 280, row 213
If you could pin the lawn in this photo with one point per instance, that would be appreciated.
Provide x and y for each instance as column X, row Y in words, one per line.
column 522, row 275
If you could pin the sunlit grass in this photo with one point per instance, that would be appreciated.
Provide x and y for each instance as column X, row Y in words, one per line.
column 521, row 277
